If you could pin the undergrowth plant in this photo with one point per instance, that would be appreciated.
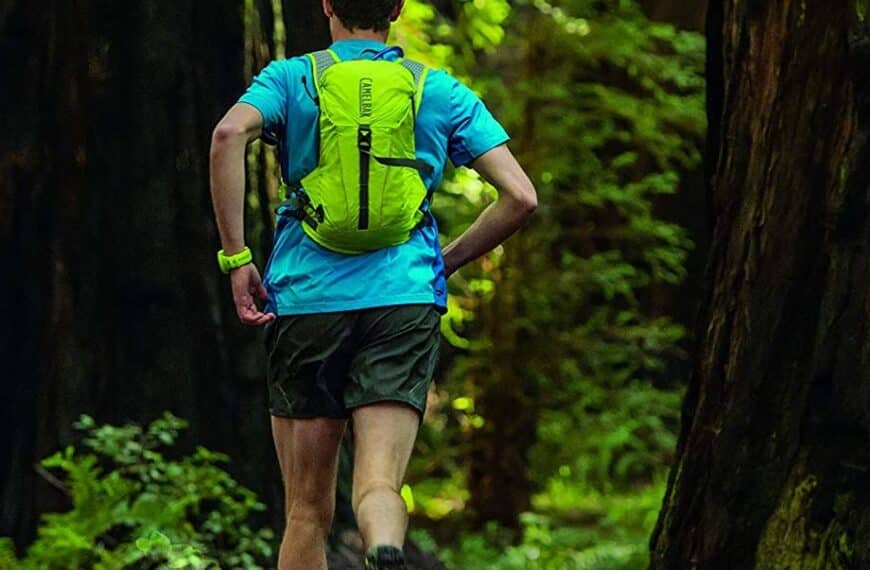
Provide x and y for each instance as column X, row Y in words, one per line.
column 133, row 506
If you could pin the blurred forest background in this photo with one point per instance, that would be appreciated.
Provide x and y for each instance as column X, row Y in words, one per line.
column 555, row 414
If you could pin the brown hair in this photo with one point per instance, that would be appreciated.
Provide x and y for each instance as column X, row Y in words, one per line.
column 365, row 14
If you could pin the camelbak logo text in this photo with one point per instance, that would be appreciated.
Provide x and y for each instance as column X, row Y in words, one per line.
column 365, row 97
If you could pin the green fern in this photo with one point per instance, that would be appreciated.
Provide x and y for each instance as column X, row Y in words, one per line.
column 134, row 507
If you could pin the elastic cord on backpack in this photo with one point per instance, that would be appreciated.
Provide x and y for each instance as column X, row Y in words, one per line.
column 308, row 92
column 296, row 204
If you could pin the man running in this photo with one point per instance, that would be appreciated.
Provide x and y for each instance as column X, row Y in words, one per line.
column 353, row 335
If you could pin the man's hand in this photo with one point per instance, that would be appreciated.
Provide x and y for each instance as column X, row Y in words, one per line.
column 240, row 125
column 246, row 285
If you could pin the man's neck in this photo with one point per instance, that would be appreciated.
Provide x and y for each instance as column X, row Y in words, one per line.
column 339, row 32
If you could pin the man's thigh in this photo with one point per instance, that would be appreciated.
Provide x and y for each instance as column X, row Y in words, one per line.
column 395, row 356
column 377, row 362
column 324, row 365
column 308, row 357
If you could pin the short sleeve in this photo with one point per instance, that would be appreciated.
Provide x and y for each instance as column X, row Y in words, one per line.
column 269, row 94
column 473, row 129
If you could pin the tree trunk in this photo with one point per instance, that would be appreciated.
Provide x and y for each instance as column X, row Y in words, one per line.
column 773, row 464
column 505, row 387
column 109, row 240
column 308, row 28
column 683, row 14
column 499, row 484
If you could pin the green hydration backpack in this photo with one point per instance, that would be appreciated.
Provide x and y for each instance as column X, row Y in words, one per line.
column 366, row 192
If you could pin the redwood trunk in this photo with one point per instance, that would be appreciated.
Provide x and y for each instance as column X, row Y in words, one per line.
column 686, row 15
column 307, row 27
column 773, row 465
column 111, row 301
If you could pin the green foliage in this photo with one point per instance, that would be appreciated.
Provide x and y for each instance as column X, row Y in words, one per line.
column 134, row 507
column 583, row 529
column 453, row 46
column 608, row 439
column 607, row 113
column 545, row 548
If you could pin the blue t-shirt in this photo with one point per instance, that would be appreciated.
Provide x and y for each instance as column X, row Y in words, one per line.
column 302, row 277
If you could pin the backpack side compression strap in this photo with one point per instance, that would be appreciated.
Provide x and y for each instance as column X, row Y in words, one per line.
column 420, row 165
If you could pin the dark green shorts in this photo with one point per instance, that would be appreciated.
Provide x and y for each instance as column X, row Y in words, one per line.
column 326, row 364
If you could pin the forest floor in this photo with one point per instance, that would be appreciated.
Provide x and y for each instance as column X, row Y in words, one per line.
column 570, row 528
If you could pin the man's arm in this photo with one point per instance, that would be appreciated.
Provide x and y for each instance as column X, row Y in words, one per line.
column 516, row 202
column 242, row 124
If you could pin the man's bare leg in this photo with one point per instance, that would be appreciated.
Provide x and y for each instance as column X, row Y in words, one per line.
column 384, row 435
column 308, row 455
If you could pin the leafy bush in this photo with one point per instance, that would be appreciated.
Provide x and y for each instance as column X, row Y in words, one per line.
column 582, row 530
column 133, row 507
column 609, row 438
column 544, row 547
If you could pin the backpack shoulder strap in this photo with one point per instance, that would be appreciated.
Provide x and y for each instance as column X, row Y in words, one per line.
column 419, row 71
column 320, row 62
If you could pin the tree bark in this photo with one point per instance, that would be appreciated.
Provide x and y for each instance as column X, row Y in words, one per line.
column 773, row 462
column 681, row 13
column 107, row 228
column 307, row 27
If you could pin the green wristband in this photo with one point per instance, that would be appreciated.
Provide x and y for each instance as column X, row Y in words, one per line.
column 229, row 262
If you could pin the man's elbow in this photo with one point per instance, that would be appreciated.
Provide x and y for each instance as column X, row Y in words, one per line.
column 227, row 132
column 527, row 200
